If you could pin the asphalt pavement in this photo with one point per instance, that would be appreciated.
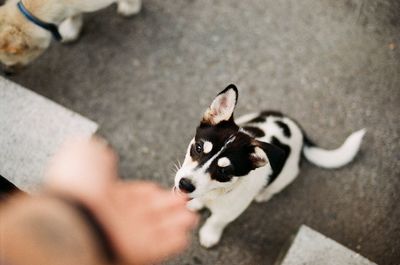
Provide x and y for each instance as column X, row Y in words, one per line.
column 332, row 65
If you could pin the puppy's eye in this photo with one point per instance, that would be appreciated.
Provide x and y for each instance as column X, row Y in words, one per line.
column 198, row 147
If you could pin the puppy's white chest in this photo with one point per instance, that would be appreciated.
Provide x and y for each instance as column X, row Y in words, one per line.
column 241, row 194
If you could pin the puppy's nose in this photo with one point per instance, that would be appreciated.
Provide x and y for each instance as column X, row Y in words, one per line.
column 186, row 185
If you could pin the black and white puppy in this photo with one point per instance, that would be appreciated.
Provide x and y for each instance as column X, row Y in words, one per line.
column 230, row 163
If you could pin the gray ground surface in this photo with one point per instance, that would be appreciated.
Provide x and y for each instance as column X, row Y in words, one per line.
column 333, row 65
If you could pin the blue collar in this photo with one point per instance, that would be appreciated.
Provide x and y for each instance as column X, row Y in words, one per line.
column 52, row 28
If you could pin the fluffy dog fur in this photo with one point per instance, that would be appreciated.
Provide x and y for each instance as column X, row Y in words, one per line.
column 21, row 41
column 230, row 163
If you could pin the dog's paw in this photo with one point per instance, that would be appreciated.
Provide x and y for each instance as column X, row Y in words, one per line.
column 128, row 8
column 209, row 237
column 70, row 29
column 195, row 205
column 263, row 197
column 67, row 38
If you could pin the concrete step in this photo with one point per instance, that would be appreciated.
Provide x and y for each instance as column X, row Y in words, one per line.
column 32, row 128
column 312, row 248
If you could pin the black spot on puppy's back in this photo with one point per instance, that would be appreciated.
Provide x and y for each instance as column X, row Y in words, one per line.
column 284, row 127
column 254, row 131
column 258, row 119
column 264, row 114
column 286, row 149
column 267, row 113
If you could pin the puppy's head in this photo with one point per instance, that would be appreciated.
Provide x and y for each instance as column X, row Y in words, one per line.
column 220, row 153
column 17, row 47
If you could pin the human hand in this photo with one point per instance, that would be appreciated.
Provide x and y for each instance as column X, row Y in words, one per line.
column 149, row 223
column 83, row 167
column 145, row 223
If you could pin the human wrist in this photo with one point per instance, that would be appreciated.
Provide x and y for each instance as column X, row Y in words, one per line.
column 103, row 215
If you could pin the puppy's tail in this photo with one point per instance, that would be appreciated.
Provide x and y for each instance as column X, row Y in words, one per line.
column 334, row 158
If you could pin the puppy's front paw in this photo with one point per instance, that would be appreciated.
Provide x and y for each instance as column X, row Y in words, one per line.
column 263, row 197
column 195, row 205
column 209, row 236
column 128, row 8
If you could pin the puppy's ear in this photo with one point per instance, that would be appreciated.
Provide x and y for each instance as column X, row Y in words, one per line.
column 221, row 109
column 267, row 153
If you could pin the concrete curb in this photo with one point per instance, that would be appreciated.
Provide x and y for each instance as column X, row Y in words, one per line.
column 32, row 129
column 312, row 248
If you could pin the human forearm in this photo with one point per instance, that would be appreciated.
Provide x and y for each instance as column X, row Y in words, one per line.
column 44, row 230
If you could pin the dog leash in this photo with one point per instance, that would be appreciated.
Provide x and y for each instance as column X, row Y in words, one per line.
column 52, row 28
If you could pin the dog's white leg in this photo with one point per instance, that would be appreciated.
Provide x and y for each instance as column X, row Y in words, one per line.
column 265, row 195
column 129, row 7
column 195, row 205
column 287, row 175
column 211, row 231
column 224, row 211
column 71, row 28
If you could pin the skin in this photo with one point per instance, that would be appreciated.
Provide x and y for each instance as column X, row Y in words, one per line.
column 86, row 170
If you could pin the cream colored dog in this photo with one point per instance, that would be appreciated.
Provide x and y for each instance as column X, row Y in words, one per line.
column 22, row 41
